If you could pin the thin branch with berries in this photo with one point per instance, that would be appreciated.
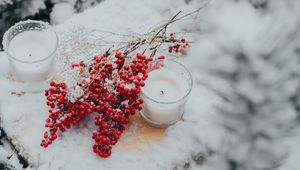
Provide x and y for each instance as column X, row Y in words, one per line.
column 108, row 86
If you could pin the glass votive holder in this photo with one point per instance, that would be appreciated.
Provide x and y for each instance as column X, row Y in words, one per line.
column 31, row 48
column 165, row 93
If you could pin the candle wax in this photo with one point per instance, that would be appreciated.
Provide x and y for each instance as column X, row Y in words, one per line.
column 164, row 90
column 30, row 47
column 164, row 85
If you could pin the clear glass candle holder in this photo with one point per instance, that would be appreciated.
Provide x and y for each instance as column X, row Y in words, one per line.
column 31, row 48
column 165, row 93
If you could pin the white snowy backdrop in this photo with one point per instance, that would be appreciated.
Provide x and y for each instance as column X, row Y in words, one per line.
column 246, row 54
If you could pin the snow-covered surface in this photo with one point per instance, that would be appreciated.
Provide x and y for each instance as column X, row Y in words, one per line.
column 23, row 116
column 23, row 119
column 230, row 25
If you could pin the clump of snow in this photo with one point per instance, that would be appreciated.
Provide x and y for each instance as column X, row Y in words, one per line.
column 29, row 8
column 4, row 155
column 61, row 12
column 5, row 2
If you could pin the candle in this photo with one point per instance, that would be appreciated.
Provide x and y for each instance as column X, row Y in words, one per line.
column 31, row 47
column 165, row 93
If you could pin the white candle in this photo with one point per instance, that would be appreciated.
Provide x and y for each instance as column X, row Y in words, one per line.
column 30, row 51
column 164, row 93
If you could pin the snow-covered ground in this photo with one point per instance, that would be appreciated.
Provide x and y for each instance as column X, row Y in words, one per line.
column 224, row 24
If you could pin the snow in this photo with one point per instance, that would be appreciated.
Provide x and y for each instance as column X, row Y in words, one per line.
column 61, row 12
column 223, row 26
column 5, row 2
column 32, row 7
column 25, row 120
column 23, row 116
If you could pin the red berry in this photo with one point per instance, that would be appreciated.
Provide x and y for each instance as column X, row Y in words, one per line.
column 161, row 57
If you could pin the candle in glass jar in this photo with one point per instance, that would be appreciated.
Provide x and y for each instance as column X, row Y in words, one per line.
column 31, row 47
column 164, row 94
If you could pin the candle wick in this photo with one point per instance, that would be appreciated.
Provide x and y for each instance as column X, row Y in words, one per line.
column 162, row 92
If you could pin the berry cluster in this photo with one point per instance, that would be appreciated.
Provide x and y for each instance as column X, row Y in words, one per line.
column 119, row 103
column 112, row 86
column 180, row 46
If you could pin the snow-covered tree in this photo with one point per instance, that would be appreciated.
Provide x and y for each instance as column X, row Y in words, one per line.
column 259, row 61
